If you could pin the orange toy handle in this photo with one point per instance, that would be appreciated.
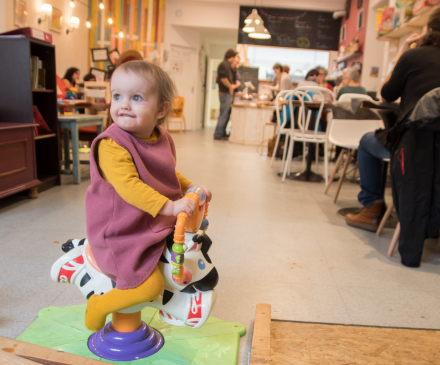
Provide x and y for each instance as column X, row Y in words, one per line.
column 177, row 256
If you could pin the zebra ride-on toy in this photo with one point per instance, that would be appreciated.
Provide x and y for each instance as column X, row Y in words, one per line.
column 188, row 296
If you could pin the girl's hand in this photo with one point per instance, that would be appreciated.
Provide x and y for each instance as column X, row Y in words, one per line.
column 184, row 205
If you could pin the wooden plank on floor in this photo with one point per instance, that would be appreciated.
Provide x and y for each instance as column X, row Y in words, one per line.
column 300, row 343
column 261, row 338
column 43, row 355
column 7, row 358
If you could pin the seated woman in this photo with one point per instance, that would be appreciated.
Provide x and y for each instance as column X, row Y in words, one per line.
column 284, row 82
column 71, row 77
column 415, row 73
column 350, row 83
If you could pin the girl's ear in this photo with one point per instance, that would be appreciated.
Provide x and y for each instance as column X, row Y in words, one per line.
column 163, row 109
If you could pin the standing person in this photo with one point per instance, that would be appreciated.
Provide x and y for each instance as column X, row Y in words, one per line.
column 284, row 80
column 135, row 192
column 226, row 88
column 71, row 77
column 350, row 83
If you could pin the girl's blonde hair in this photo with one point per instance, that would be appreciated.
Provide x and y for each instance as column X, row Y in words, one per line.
column 163, row 84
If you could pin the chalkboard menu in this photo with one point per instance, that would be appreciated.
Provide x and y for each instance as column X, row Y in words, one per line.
column 248, row 74
column 294, row 28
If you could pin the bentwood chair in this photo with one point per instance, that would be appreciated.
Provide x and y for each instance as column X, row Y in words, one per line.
column 306, row 132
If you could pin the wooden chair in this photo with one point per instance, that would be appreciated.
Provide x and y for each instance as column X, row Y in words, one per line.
column 95, row 90
column 396, row 234
column 177, row 116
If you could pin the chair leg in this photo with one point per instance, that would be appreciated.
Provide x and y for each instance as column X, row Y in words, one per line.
column 385, row 218
column 184, row 123
column 394, row 241
column 325, row 163
column 286, row 143
column 275, row 149
column 338, row 162
column 344, row 170
column 289, row 158
column 317, row 156
column 304, row 155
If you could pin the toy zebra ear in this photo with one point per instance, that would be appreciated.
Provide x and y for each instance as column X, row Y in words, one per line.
column 206, row 245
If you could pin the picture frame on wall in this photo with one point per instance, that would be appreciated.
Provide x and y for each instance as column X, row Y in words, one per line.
column 99, row 74
column 20, row 13
column 113, row 55
column 100, row 54
column 56, row 20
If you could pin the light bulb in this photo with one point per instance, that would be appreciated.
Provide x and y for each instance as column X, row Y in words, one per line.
column 121, row 35
column 101, row 5
column 110, row 20
column 88, row 25
column 72, row 4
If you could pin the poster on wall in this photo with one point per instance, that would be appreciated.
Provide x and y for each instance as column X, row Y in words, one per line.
column 56, row 19
column 20, row 13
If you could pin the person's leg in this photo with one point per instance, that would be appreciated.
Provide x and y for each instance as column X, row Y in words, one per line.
column 100, row 306
column 225, row 106
column 370, row 155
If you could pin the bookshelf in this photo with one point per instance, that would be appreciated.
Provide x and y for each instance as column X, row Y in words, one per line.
column 17, row 98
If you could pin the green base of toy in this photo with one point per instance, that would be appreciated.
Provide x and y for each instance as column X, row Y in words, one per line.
column 216, row 343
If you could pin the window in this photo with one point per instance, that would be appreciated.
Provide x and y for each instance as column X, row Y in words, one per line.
column 343, row 31
column 360, row 20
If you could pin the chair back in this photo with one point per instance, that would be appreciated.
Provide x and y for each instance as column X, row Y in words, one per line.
column 177, row 107
column 97, row 90
column 347, row 133
column 350, row 96
column 318, row 94
column 279, row 99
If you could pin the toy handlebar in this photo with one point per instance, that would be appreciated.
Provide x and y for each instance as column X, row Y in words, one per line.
column 184, row 223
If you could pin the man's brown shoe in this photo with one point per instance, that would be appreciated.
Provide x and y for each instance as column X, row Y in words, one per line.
column 369, row 218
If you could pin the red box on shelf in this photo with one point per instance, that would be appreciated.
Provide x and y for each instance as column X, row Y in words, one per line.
column 31, row 33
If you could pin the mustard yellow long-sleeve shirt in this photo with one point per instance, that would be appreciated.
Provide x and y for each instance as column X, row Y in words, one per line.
column 118, row 169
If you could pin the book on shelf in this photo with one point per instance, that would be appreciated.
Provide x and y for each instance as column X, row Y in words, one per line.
column 41, row 125
column 30, row 32
column 38, row 74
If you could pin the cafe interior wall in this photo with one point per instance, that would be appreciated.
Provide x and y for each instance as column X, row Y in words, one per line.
column 71, row 49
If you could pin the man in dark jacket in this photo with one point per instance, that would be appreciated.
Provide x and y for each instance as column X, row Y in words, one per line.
column 226, row 85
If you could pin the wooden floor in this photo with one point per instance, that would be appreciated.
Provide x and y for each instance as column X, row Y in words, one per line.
column 308, row 343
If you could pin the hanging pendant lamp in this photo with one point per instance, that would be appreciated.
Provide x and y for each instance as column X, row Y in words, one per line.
column 260, row 32
column 251, row 21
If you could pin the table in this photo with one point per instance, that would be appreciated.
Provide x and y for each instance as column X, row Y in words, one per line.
column 85, row 105
column 308, row 175
column 74, row 122
column 247, row 122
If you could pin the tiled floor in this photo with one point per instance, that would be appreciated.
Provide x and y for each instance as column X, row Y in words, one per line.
column 275, row 243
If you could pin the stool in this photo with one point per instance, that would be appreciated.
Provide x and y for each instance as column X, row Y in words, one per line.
column 74, row 122
column 274, row 125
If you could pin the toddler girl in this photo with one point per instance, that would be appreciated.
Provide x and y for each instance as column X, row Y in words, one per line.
column 135, row 191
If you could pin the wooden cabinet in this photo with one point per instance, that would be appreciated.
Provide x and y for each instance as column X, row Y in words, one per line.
column 17, row 158
column 34, row 158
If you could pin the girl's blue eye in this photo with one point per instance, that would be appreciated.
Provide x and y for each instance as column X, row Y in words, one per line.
column 137, row 98
column 116, row 97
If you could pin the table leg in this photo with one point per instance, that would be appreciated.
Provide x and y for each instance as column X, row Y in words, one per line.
column 75, row 153
column 66, row 149
column 308, row 174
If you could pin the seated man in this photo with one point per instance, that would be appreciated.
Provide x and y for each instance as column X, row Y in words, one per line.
column 350, row 83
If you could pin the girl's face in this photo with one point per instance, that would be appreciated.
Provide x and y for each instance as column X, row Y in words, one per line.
column 277, row 71
column 135, row 104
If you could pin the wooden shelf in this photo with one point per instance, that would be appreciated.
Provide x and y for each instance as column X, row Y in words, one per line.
column 43, row 136
column 349, row 56
column 416, row 23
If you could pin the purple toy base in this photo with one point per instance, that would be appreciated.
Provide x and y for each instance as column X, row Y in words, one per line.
column 125, row 346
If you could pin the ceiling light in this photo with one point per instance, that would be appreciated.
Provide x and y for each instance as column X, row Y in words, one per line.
column 88, row 25
column 101, row 5
column 110, row 20
column 251, row 21
column 260, row 32
column 121, row 35
column 72, row 4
